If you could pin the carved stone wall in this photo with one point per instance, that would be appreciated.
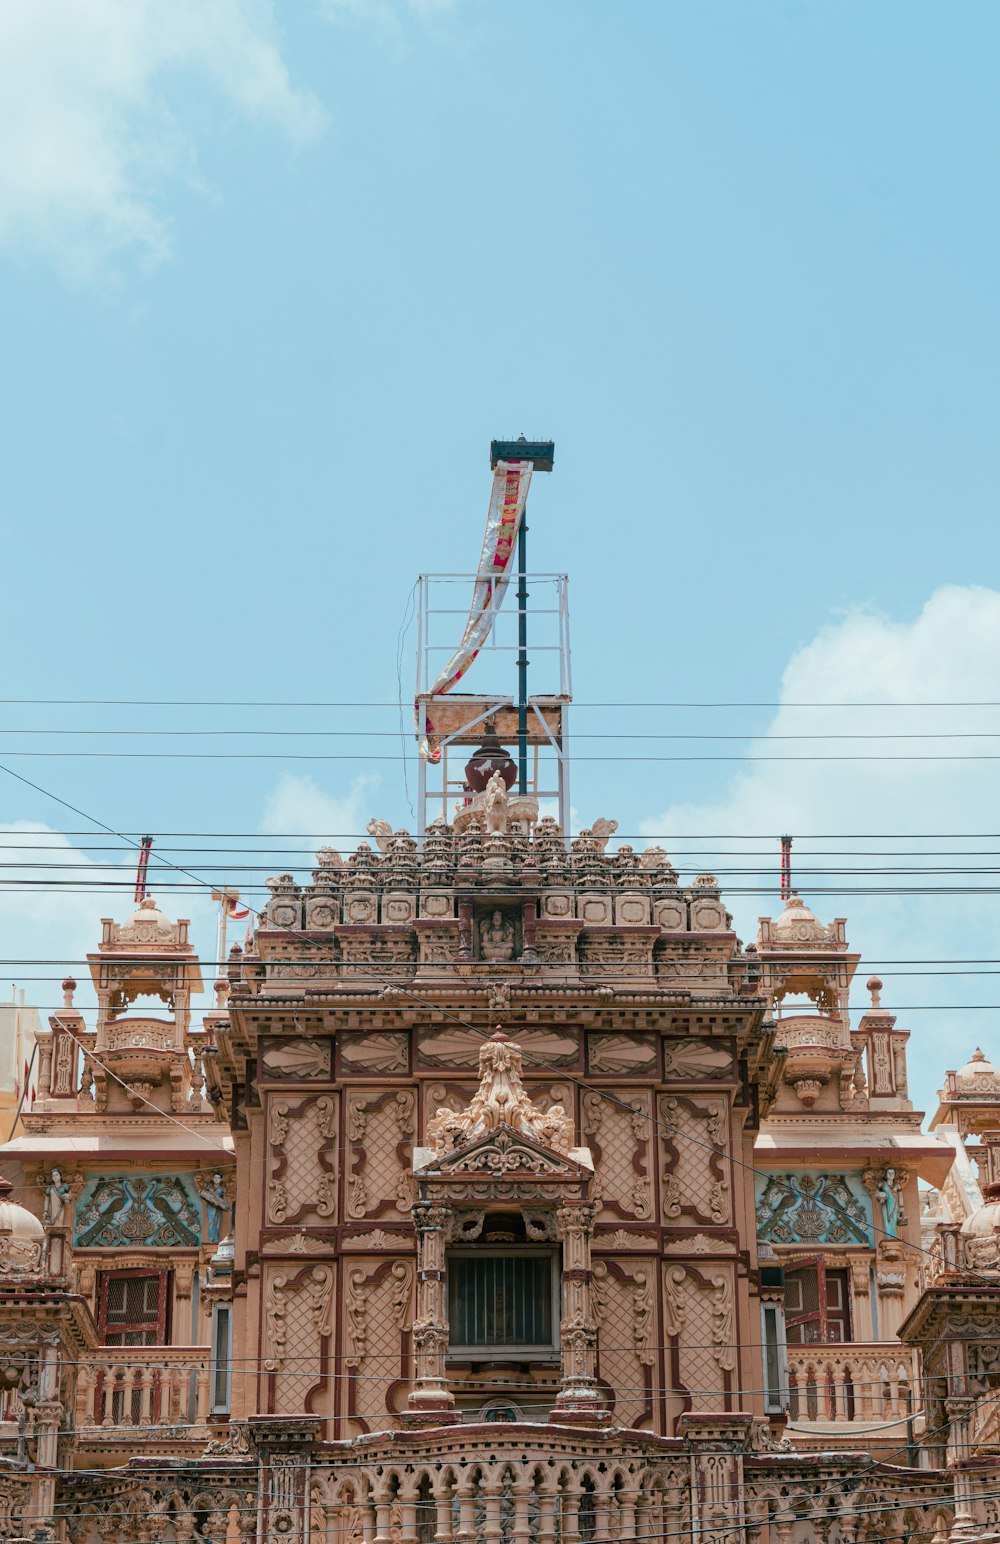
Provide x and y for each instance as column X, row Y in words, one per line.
column 302, row 1143
column 377, row 1314
column 625, row 1310
column 618, row 1132
column 298, row 1313
column 380, row 1133
column 695, row 1169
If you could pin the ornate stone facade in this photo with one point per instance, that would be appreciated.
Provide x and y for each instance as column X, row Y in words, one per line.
column 499, row 1283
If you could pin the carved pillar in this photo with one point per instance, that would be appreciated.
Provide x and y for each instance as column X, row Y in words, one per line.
column 547, row 1517
column 464, row 931
column 492, row 1530
column 442, row 1513
column 959, row 1413
column 529, row 919
column 580, row 1401
column 431, row 1401
column 466, row 1533
column 522, row 1526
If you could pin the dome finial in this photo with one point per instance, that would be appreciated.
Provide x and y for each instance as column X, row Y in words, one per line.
column 875, row 987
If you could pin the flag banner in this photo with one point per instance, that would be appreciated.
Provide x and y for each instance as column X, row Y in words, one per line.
column 235, row 910
column 511, row 480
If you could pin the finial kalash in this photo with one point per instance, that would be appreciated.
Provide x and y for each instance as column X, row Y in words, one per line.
column 500, row 1100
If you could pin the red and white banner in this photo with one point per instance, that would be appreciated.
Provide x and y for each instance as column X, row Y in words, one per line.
column 511, row 480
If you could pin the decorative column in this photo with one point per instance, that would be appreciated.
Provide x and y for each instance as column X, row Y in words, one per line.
column 431, row 1403
column 529, row 921
column 580, row 1401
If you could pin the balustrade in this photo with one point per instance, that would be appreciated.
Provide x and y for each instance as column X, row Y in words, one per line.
column 853, row 1383
column 145, row 1386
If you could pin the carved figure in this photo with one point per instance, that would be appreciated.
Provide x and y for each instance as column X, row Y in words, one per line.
column 602, row 831
column 495, row 806
column 501, row 1100
column 125, row 1210
column 213, row 1193
column 888, row 1193
column 496, row 936
column 57, row 1197
column 380, row 832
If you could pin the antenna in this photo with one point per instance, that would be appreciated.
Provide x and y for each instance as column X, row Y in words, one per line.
column 142, row 868
column 786, row 867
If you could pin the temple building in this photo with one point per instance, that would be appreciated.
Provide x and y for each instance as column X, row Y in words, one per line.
column 503, row 1194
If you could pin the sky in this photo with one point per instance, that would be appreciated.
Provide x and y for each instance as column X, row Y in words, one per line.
column 271, row 278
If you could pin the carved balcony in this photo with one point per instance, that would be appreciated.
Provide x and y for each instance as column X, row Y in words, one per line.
column 143, row 1387
column 853, row 1384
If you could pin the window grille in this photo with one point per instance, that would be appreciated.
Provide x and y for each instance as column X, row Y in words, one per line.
column 503, row 1303
column 132, row 1308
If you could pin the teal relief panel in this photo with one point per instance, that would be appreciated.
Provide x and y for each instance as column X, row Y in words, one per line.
column 145, row 1211
column 808, row 1206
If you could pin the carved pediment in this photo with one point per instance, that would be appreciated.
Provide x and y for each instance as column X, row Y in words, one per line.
column 500, row 1154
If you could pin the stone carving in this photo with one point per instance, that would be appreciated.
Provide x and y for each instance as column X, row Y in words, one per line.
column 375, row 1053
column 694, row 1059
column 622, row 1301
column 498, row 996
column 813, row 1208
column 622, row 1053
column 495, row 805
column 500, row 1100
column 694, row 1177
column 886, row 1185
column 299, row 1058
column 496, row 937
column 380, row 832
column 301, row 1135
column 157, row 1211
column 620, row 1240
column 58, row 1196
column 723, row 1324
column 216, row 1198
column 601, row 833
column 380, row 1127
column 618, row 1129
column 460, row 1047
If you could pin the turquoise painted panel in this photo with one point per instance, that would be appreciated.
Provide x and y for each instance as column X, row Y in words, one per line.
column 137, row 1211
column 810, row 1206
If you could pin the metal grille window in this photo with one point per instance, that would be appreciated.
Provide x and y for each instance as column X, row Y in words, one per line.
column 504, row 1303
column 133, row 1308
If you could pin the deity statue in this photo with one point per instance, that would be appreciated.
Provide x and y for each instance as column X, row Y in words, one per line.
column 496, row 937
column 889, row 1194
column 213, row 1193
column 57, row 1197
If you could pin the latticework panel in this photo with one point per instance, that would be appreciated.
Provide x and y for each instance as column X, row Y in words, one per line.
column 694, row 1178
column 620, row 1144
column 624, row 1309
column 303, row 1143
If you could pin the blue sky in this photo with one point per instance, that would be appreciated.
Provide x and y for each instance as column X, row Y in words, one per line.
column 273, row 275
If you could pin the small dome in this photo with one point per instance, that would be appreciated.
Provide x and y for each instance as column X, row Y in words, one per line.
column 22, row 1236
column 795, row 915
column 978, row 1067
column 147, row 914
column 981, row 1233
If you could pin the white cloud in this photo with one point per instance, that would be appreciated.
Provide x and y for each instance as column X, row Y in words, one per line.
column 299, row 809
column 89, row 133
column 52, row 898
column 946, row 655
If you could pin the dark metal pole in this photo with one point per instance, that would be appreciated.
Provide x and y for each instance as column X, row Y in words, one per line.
column 522, row 655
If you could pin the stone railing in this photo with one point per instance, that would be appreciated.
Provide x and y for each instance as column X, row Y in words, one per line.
column 143, row 1386
column 852, row 1384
